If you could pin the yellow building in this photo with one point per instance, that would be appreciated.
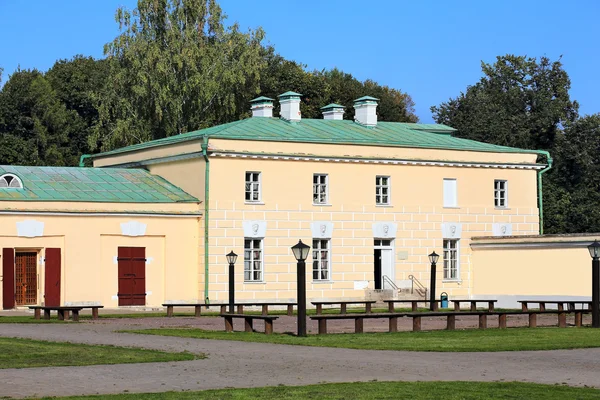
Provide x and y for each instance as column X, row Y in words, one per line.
column 371, row 198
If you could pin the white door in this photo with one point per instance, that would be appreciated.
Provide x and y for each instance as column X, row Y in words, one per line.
column 387, row 262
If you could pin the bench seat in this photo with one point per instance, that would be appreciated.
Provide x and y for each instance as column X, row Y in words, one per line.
column 248, row 322
column 63, row 311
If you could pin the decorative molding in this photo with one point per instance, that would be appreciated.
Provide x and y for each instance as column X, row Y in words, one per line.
column 384, row 230
column 99, row 214
column 501, row 229
column 30, row 228
column 321, row 229
column 451, row 230
column 436, row 163
column 255, row 229
column 531, row 245
column 360, row 285
column 133, row 228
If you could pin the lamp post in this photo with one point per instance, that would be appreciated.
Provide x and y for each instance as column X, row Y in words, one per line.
column 594, row 249
column 433, row 259
column 231, row 259
column 301, row 251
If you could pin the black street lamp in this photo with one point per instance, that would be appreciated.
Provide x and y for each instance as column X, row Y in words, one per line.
column 594, row 249
column 433, row 259
column 301, row 251
column 231, row 259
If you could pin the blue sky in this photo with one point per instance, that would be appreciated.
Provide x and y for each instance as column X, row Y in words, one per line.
column 430, row 49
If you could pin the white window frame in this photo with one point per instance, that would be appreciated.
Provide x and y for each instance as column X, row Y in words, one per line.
column 379, row 190
column 448, row 259
column 251, row 259
column 320, row 188
column 446, row 196
column 498, row 193
column 14, row 178
column 248, row 186
column 318, row 250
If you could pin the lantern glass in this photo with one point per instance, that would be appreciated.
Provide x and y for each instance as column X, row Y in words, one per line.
column 594, row 249
column 433, row 258
column 231, row 257
column 301, row 251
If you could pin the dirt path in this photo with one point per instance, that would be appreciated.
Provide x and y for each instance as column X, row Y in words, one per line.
column 237, row 364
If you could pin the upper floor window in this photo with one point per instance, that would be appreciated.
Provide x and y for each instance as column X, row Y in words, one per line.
column 382, row 190
column 321, row 259
column 450, row 193
column 253, row 260
column 500, row 193
column 451, row 259
column 253, row 187
column 320, row 188
column 10, row 181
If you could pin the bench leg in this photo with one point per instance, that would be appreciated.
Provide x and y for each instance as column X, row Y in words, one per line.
column 435, row 306
column 532, row 320
column 75, row 315
column 391, row 306
column 322, row 326
column 223, row 309
column 94, row 313
column 37, row 313
column 451, row 322
column 248, row 325
column 61, row 315
column 319, row 309
column 524, row 307
column 502, row 321
column 268, row 326
column 290, row 310
column 358, row 325
column 265, row 309
column 578, row 318
column 457, row 306
column 342, row 308
column 368, row 308
column 482, row 321
column 393, row 324
column 571, row 306
column 240, row 309
column 542, row 306
column 416, row 324
column 561, row 307
column 67, row 314
column 415, row 306
column 562, row 320
column 228, row 324
column 197, row 311
column 490, row 306
column 169, row 311
column 473, row 306
column 46, row 314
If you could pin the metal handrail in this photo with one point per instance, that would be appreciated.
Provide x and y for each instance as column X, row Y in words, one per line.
column 386, row 279
column 421, row 289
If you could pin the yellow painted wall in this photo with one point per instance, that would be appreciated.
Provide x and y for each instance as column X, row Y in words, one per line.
column 186, row 174
column 89, row 244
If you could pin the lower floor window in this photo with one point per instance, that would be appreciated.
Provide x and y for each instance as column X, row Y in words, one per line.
column 320, row 259
column 253, row 265
column 451, row 262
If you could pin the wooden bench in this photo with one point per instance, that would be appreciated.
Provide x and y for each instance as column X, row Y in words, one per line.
column 474, row 303
column 63, row 311
column 450, row 318
column 343, row 305
column 197, row 307
column 265, row 307
column 560, row 304
column 248, row 322
column 414, row 304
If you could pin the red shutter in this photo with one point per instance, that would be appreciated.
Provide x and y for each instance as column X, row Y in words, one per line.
column 52, row 277
column 132, row 276
column 8, row 278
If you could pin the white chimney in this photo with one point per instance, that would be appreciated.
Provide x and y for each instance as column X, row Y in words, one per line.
column 262, row 107
column 290, row 106
column 365, row 111
column 333, row 111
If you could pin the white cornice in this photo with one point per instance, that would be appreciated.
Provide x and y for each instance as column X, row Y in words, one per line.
column 99, row 214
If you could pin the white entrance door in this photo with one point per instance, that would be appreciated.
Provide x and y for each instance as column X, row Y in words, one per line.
column 387, row 263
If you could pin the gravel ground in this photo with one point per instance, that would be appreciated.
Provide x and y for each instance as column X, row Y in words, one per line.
column 237, row 364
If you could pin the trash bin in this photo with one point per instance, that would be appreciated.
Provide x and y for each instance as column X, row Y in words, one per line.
column 444, row 300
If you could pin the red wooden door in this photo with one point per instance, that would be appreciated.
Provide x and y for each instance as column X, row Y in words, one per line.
column 26, row 285
column 52, row 278
column 8, row 278
column 132, row 276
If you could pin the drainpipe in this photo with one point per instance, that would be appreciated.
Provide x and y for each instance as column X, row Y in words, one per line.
column 539, row 178
column 206, row 186
column 82, row 159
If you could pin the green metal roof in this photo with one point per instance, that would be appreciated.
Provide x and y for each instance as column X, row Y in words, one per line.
column 365, row 98
column 107, row 185
column 287, row 94
column 332, row 105
column 261, row 98
column 390, row 134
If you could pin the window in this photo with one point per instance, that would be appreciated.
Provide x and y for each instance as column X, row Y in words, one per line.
column 320, row 188
column 450, row 193
column 382, row 243
column 451, row 261
column 320, row 259
column 10, row 181
column 253, row 265
column 253, row 186
column 500, row 193
column 382, row 190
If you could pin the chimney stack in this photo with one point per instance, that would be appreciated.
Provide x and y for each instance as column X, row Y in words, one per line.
column 262, row 107
column 290, row 106
column 366, row 111
column 333, row 111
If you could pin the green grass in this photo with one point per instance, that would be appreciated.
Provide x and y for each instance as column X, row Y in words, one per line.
column 378, row 390
column 26, row 353
column 513, row 339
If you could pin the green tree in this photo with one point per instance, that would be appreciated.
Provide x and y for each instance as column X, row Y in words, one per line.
column 175, row 68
